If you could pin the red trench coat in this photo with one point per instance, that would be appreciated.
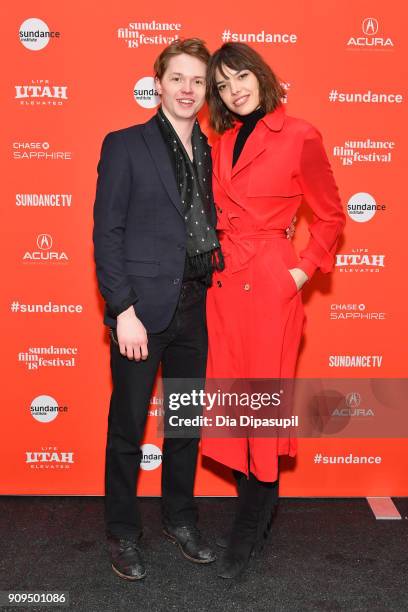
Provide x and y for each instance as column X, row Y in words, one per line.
column 255, row 313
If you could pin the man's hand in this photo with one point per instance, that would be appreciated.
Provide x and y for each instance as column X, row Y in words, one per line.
column 290, row 231
column 299, row 277
column 132, row 336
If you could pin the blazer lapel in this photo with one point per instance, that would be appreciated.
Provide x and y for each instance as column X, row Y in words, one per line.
column 154, row 142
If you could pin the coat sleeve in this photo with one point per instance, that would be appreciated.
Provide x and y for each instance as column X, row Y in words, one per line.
column 110, row 213
column 321, row 194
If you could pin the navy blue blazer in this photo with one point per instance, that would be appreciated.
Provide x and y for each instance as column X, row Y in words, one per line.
column 139, row 230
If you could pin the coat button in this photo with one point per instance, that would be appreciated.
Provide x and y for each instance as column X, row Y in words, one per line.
column 176, row 281
column 219, row 283
column 247, row 286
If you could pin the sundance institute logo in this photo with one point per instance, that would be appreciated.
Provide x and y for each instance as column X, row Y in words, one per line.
column 35, row 34
column 151, row 457
column 145, row 93
column 362, row 207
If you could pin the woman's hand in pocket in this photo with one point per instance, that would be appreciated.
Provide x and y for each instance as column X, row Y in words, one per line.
column 299, row 277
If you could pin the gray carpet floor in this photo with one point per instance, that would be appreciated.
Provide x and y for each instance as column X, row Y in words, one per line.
column 323, row 554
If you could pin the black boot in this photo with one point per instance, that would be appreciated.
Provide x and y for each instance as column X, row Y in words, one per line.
column 267, row 514
column 251, row 526
column 241, row 482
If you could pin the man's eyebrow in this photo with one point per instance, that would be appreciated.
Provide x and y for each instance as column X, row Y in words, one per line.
column 194, row 77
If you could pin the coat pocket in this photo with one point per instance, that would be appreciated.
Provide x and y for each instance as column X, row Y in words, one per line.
column 284, row 278
column 142, row 268
column 288, row 282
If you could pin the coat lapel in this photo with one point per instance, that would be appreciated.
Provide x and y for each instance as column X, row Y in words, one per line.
column 259, row 139
column 254, row 146
column 157, row 147
column 222, row 163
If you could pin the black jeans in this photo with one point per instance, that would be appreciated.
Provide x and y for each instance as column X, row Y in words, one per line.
column 182, row 351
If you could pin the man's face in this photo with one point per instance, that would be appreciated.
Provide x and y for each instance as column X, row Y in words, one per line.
column 182, row 87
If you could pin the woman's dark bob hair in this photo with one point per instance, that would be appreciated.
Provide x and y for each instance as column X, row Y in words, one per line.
column 239, row 56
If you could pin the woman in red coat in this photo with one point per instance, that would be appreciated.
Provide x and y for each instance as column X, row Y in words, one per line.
column 264, row 164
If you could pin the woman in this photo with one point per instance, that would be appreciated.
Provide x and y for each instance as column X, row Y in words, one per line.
column 264, row 163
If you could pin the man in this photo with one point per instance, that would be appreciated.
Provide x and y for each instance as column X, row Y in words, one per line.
column 155, row 250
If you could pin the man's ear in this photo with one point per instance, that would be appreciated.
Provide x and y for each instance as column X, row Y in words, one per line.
column 157, row 85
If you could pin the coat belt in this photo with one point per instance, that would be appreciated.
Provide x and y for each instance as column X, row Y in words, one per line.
column 240, row 248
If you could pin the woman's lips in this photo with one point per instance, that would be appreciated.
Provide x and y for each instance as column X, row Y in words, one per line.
column 241, row 100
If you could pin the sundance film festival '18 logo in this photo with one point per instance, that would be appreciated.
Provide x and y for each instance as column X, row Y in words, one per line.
column 156, row 406
column 40, row 92
column 137, row 34
column 35, row 34
column 364, row 151
column 370, row 38
column 36, row 357
column 44, row 254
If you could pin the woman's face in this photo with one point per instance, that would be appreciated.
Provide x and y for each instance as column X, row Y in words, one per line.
column 238, row 89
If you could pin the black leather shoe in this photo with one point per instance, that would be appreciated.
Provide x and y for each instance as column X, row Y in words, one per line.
column 126, row 558
column 189, row 540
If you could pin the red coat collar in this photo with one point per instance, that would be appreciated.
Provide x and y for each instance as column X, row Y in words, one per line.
column 274, row 120
column 256, row 144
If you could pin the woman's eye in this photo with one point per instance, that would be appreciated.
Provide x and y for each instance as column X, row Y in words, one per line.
column 175, row 78
column 242, row 76
column 221, row 87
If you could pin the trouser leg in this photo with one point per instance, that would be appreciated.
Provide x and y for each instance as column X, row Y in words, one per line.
column 184, row 358
column 132, row 388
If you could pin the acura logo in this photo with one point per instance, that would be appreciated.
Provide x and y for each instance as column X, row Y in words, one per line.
column 370, row 26
column 353, row 400
column 44, row 242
